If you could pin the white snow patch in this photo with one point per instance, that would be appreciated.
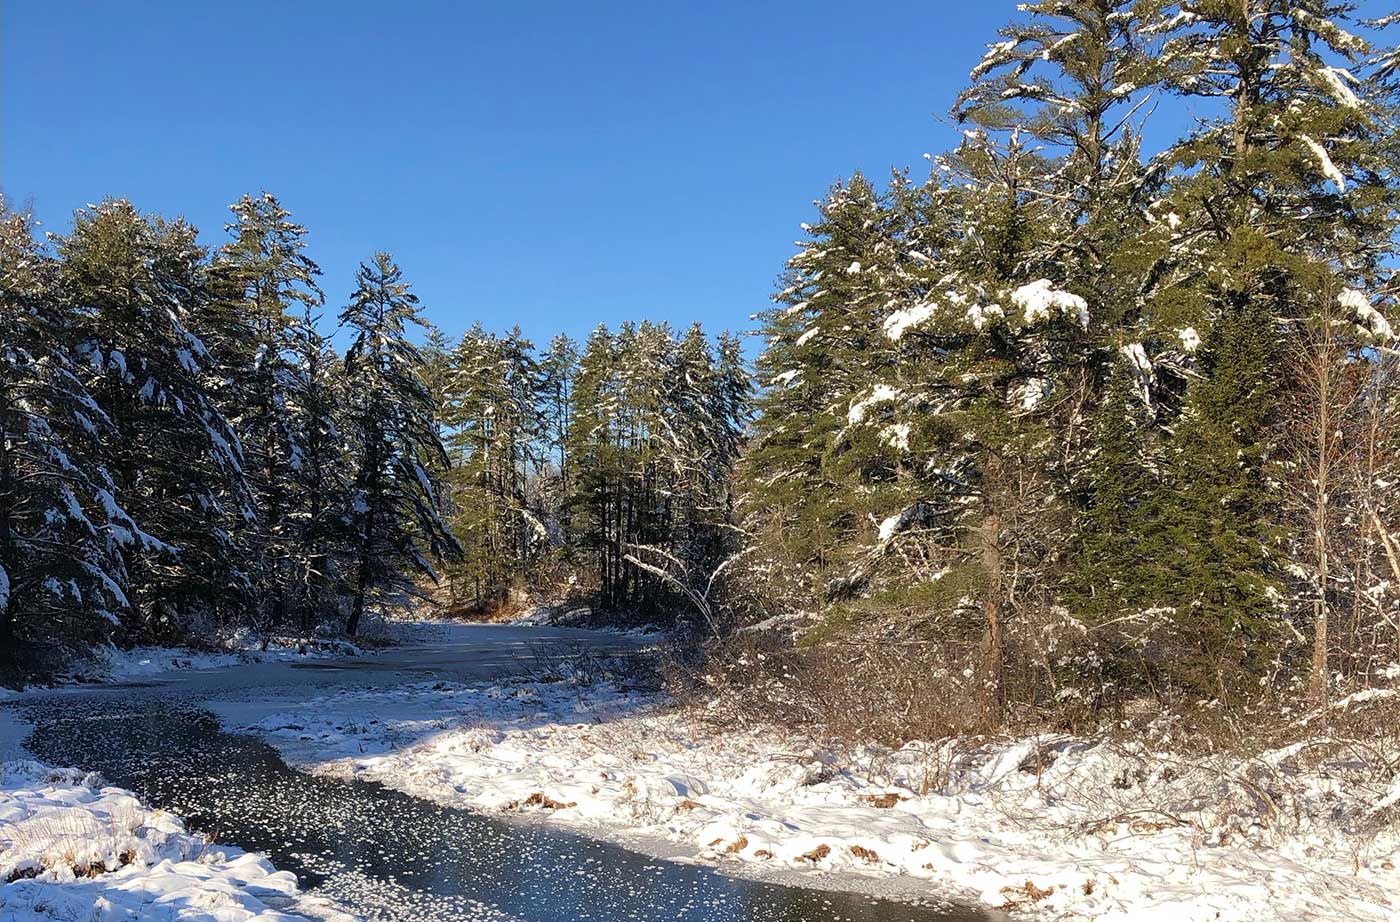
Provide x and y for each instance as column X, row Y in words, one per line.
column 1190, row 339
column 1336, row 80
column 900, row 321
column 881, row 393
column 1324, row 162
column 1369, row 318
column 1141, row 367
column 785, row 378
column 1041, row 299
column 1030, row 394
column 896, row 436
column 80, row 850
column 982, row 316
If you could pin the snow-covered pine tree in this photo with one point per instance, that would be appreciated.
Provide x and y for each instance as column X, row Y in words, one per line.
column 995, row 351
column 393, row 507
column 321, row 542
column 61, row 570
column 521, row 431
column 132, row 284
column 558, row 365
column 644, row 355
column 655, row 422
column 1075, row 78
column 267, row 285
column 821, row 338
column 593, row 506
column 697, row 447
column 1072, row 74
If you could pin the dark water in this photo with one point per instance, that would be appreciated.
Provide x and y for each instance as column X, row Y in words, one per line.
column 384, row 855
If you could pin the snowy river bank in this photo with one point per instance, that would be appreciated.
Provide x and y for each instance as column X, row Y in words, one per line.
column 351, row 845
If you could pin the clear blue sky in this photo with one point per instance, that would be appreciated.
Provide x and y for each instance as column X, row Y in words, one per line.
column 554, row 165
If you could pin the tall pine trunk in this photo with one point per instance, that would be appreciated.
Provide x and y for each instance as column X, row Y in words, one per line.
column 993, row 689
column 7, row 542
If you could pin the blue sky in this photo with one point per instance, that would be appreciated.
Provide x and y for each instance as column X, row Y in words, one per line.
column 548, row 164
column 554, row 165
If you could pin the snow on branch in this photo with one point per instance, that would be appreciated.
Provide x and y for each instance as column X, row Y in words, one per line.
column 1041, row 299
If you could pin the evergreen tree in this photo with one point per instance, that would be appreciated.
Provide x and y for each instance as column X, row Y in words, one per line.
column 1222, row 575
column 558, row 365
column 268, row 287
column 593, row 504
column 820, row 336
column 393, row 506
column 1112, row 579
column 61, row 570
column 321, row 540
column 437, row 373
column 132, row 284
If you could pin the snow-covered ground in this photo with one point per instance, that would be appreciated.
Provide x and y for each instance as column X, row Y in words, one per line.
column 1055, row 825
column 72, row 848
column 111, row 664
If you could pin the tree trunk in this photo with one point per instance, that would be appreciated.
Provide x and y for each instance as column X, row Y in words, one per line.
column 994, row 702
column 7, row 556
column 1392, row 556
column 357, row 610
column 1323, row 445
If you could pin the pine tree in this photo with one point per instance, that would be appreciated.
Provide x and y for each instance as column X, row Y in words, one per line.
column 321, row 541
column 558, row 365
column 1285, row 187
column 437, row 373
column 132, row 284
column 267, row 286
column 820, row 336
column 1112, row 579
column 595, row 456
column 1221, row 574
column 393, row 507
column 61, row 570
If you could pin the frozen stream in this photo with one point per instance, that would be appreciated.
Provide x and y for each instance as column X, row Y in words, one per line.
column 385, row 855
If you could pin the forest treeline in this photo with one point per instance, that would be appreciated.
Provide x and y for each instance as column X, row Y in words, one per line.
column 1102, row 408
column 185, row 453
column 602, row 471
column 182, row 451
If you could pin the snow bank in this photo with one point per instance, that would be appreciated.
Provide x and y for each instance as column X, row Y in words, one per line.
column 1054, row 825
column 72, row 848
